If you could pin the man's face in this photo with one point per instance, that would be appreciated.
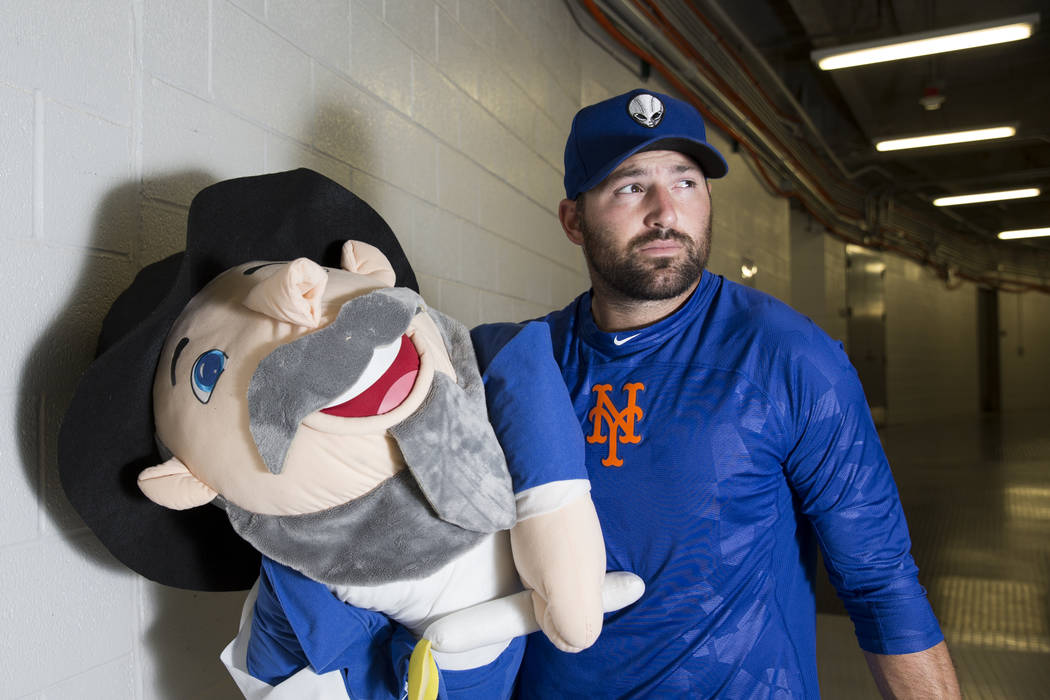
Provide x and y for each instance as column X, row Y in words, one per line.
column 646, row 229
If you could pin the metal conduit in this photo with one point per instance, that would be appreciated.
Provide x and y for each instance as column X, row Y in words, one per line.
column 684, row 42
column 778, row 162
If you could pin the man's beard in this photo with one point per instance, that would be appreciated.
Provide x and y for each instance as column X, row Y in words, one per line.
column 636, row 277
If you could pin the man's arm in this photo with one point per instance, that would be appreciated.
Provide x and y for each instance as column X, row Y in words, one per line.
column 928, row 675
column 845, row 487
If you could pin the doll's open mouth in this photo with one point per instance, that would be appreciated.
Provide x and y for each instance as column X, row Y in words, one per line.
column 386, row 382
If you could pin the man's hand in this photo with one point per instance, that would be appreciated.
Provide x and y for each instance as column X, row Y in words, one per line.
column 928, row 675
column 560, row 557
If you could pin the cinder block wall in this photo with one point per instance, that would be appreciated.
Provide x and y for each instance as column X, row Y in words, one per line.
column 818, row 275
column 931, row 345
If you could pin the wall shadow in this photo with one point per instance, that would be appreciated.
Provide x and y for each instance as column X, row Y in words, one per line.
column 183, row 631
column 67, row 346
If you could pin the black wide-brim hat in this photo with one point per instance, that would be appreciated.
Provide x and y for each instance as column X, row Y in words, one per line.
column 107, row 435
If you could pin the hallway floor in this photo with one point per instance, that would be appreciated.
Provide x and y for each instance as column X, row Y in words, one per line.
column 976, row 492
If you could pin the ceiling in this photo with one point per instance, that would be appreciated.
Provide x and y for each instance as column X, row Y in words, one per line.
column 853, row 107
column 809, row 134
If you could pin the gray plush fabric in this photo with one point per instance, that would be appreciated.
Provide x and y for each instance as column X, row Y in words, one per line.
column 388, row 534
column 307, row 374
column 451, row 448
column 456, row 486
column 461, row 352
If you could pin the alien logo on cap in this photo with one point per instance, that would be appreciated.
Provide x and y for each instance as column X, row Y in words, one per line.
column 646, row 109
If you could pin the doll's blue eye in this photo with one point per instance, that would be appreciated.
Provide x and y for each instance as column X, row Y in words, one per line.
column 206, row 372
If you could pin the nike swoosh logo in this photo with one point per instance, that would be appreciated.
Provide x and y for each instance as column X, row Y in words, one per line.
column 617, row 340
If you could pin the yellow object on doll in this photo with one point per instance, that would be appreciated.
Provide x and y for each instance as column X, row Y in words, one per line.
column 423, row 676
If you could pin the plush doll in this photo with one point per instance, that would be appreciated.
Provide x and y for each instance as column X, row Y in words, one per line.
column 340, row 425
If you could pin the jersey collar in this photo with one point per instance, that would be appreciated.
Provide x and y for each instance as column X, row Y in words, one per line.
column 628, row 342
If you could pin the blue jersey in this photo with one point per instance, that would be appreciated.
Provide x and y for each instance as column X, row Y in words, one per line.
column 298, row 623
column 719, row 441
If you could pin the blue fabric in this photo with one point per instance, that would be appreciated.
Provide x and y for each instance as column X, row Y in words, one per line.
column 605, row 134
column 529, row 406
column 298, row 623
column 494, row 681
column 748, row 442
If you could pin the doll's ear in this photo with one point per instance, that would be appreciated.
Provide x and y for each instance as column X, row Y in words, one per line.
column 365, row 259
column 173, row 486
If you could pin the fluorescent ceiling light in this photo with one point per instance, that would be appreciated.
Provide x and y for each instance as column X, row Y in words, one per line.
column 927, row 43
column 998, row 132
column 985, row 197
column 1025, row 233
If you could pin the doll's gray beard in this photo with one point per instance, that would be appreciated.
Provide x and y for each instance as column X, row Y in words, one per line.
column 454, row 491
column 389, row 534
column 304, row 376
column 456, row 487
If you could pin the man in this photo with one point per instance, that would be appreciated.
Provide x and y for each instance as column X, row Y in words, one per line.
column 723, row 432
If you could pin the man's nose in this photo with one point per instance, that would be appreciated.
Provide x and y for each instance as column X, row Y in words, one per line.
column 660, row 212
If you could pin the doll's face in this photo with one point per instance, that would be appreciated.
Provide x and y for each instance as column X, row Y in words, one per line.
column 277, row 384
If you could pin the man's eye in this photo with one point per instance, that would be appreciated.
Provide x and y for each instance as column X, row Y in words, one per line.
column 629, row 189
column 206, row 372
column 685, row 184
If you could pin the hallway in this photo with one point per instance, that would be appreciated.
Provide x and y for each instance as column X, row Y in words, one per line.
column 976, row 492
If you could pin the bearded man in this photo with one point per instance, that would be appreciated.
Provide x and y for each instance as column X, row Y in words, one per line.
column 727, row 438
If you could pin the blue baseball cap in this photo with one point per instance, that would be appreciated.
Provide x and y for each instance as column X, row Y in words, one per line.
column 606, row 134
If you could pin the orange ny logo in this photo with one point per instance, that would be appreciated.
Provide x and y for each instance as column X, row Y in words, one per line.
column 620, row 424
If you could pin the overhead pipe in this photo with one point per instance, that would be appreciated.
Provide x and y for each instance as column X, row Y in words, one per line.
column 713, row 8
column 823, row 201
column 777, row 155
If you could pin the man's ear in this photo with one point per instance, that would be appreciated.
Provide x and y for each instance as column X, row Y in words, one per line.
column 365, row 259
column 569, row 215
column 173, row 486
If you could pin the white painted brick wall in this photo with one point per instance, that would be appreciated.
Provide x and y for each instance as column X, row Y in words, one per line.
column 321, row 27
column 78, row 51
column 86, row 161
column 68, row 609
column 17, row 114
column 380, row 61
column 176, row 43
column 258, row 74
column 20, row 478
column 448, row 116
column 188, row 143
